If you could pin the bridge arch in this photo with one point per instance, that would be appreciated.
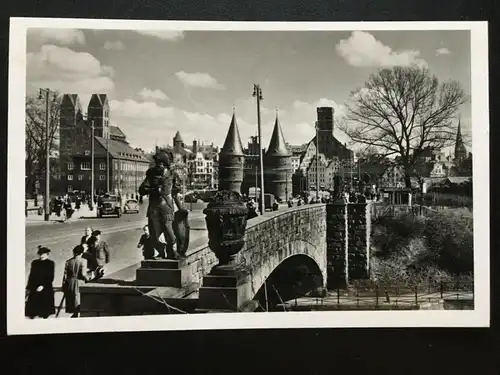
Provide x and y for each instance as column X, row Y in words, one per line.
column 293, row 277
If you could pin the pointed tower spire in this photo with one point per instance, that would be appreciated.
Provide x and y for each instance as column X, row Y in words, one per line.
column 277, row 163
column 460, row 151
column 231, row 158
column 233, row 144
column 277, row 145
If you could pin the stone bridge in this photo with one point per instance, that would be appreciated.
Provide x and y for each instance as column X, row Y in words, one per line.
column 286, row 254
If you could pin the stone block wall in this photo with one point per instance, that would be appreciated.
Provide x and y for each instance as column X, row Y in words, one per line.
column 273, row 237
column 348, row 241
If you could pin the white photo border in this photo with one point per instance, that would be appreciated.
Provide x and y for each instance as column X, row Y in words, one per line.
column 17, row 324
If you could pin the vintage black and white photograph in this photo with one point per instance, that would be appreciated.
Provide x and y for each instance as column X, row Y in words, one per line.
column 175, row 171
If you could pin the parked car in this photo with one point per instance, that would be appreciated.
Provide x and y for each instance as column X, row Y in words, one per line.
column 191, row 197
column 131, row 205
column 207, row 195
column 109, row 204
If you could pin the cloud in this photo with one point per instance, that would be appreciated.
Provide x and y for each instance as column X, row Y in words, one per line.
column 131, row 109
column 150, row 94
column 114, row 45
column 443, row 51
column 361, row 49
column 163, row 34
column 67, row 71
column 58, row 36
column 203, row 80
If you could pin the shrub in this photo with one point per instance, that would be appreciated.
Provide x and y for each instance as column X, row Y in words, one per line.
column 451, row 242
column 414, row 250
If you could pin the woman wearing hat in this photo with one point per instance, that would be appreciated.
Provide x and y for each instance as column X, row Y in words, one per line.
column 40, row 301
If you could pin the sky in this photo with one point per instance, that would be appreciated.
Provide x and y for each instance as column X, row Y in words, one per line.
column 159, row 82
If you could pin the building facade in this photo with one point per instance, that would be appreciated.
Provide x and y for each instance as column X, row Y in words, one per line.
column 118, row 168
column 201, row 172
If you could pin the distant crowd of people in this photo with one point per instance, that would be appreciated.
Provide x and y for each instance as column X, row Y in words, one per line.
column 87, row 264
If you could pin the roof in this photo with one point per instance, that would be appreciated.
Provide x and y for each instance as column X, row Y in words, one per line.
column 98, row 100
column 459, row 180
column 121, row 150
column 232, row 144
column 116, row 132
column 277, row 145
column 178, row 137
column 71, row 99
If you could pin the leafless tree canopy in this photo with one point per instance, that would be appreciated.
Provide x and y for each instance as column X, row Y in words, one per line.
column 35, row 147
column 403, row 110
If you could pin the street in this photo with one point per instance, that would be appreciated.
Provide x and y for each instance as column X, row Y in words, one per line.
column 121, row 234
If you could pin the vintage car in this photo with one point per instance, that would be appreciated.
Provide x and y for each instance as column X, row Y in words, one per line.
column 109, row 204
column 131, row 205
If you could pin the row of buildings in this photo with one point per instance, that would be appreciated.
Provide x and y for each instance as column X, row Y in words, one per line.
column 288, row 169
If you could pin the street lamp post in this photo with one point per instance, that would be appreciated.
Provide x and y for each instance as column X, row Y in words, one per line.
column 47, row 152
column 107, row 164
column 92, row 163
column 317, row 160
column 257, row 93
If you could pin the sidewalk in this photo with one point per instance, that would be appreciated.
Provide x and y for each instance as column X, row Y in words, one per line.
column 83, row 213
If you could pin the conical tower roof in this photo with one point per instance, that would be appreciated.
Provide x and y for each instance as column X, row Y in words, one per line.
column 233, row 144
column 459, row 133
column 277, row 145
column 178, row 137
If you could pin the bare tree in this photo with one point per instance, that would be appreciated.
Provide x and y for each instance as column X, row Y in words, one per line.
column 35, row 147
column 402, row 112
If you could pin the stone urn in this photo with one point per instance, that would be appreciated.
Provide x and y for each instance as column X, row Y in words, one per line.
column 226, row 218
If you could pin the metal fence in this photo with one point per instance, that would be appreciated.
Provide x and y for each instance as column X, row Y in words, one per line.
column 386, row 296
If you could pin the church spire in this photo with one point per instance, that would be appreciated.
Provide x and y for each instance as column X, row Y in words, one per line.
column 460, row 151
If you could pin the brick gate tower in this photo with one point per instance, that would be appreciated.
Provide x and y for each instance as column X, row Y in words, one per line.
column 231, row 158
column 277, row 164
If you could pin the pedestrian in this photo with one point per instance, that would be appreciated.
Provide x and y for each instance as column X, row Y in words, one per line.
column 290, row 202
column 147, row 242
column 86, row 238
column 75, row 274
column 100, row 251
column 40, row 291
column 78, row 202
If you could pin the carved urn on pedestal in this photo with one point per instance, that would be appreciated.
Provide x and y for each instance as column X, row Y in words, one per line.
column 226, row 218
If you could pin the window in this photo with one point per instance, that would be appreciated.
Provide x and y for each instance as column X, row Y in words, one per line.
column 102, row 166
column 70, row 188
column 102, row 177
column 70, row 177
column 85, row 166
column 70, row 166
column 80, row 177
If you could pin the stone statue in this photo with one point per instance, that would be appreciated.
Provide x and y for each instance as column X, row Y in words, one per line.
column 163, row 195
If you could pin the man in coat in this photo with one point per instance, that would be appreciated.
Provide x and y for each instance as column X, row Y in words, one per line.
column 99, row 249
column 75, row 275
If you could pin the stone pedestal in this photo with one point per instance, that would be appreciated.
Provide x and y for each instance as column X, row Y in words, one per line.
column 164, row 272
column 225, row 289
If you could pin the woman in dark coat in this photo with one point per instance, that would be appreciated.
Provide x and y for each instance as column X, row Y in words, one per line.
column 40, row 290
column 75, row 275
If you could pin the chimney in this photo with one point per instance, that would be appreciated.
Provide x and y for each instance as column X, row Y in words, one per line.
column 195, row 146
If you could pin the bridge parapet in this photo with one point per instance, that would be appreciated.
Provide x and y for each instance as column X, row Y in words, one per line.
column 270, row 239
